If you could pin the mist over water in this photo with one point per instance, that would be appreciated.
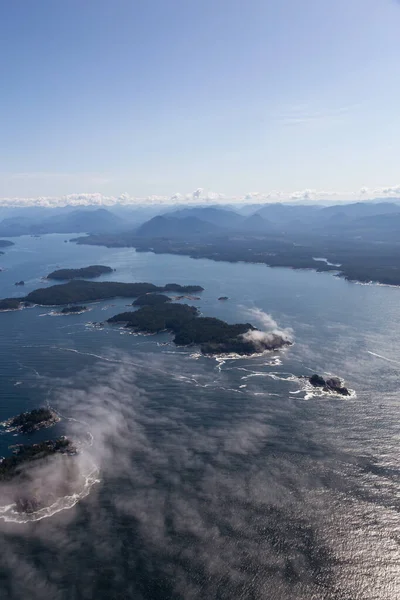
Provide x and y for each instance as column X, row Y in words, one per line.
column 215, row 478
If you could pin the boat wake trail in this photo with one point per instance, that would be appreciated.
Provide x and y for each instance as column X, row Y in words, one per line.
column 396, row 362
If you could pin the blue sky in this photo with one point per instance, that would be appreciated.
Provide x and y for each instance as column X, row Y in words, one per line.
column 155, row 97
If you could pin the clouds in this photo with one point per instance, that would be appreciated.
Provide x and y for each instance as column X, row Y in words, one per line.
column 270, row 335
column 388, row 191
column 202, row 196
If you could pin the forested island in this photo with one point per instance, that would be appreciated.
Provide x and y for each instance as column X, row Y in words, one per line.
column 214, row 336
column 28, row 422
column 83, row 273
column 71, row 310
column 11, row 466
column 80, row 290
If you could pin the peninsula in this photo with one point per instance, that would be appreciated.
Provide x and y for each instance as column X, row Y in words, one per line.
column 83, row 273
column 214, row 336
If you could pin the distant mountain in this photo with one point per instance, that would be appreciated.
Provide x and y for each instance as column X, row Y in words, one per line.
column 378, row 228
column 210, row 214
column 255, row 224
column 171, row 227
column 358, row 210
column 286, row 213
column 92, row 221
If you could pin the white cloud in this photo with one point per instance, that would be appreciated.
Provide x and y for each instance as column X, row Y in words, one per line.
column 389, row 191
column 202, row 196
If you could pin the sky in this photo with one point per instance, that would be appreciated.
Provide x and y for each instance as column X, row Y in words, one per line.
column 218, row 99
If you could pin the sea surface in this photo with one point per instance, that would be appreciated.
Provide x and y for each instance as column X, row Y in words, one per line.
column 217, row 478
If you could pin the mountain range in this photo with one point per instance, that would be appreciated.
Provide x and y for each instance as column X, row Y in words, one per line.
column 367, row 220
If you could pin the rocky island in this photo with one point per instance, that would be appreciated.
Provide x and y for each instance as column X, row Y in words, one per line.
column 214, row 336
column 332, row 384
column 28, row 422
column 83, row 273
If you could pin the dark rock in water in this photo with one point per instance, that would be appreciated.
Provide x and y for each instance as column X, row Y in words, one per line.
column 223, row 298
column 333, row 384
column 317, row 380
column 19, row 283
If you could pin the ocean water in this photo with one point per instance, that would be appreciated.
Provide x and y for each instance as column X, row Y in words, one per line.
column 212, row 477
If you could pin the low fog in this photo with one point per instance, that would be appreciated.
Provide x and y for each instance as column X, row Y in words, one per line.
column 198, row 495
column 270, row 335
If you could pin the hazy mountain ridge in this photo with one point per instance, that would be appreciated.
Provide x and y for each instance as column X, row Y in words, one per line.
column 360, row 218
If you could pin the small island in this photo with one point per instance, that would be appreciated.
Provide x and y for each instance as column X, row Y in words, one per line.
column 212, row 335
column 73, row 310
column 223, row 298
column 332, row 384
column 6, row 243
column 12, row 466
column 28, row 422
column 83, row 273
column 19, row 282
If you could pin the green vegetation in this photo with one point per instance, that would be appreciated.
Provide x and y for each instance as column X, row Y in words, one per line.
column 213, row 335
column 357, row 259
column 35, row 419
column 23, row 454
column 10, row 303
column 80, row 290
column 153, row 319
column 84, row 272
column 151, row 300
column 182, row 289
column 69, row 310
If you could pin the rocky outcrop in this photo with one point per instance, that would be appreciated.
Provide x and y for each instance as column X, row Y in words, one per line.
column 332, row 384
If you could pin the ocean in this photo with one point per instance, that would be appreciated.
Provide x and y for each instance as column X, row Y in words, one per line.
column 226, row 478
